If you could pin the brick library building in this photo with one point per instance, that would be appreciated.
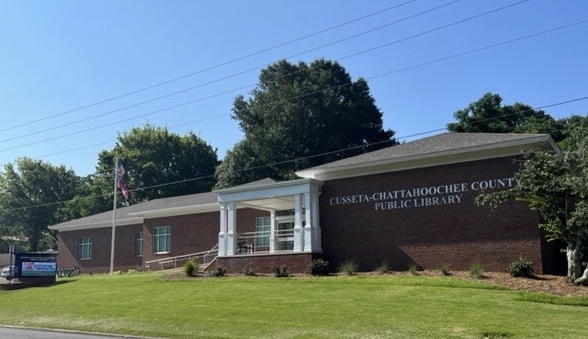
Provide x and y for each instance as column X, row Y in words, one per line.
column 409, row 204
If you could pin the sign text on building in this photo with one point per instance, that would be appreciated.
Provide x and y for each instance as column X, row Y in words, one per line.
column 446, row 194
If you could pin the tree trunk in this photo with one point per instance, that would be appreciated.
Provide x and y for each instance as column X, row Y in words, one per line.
column 573, row 254
column 583, row 279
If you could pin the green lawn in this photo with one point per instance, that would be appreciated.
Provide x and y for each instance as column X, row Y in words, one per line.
column 388, row 306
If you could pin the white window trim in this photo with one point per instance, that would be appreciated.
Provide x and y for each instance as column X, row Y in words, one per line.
column 87, row 245
column 168, row 234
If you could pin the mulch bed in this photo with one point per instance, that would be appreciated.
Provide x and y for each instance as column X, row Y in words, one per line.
column 550, row 284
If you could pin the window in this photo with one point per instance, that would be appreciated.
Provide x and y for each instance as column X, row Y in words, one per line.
column 139, row 244
column 85, row 248
column 262, row 231
column 162, row 239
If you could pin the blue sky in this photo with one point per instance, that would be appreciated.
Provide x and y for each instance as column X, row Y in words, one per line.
column 68, row 68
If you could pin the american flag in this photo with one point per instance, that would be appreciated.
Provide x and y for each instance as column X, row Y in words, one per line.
column 121, row 183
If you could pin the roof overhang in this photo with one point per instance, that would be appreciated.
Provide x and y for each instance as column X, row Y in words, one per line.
column 99, row 224
column 459, row 155
column 176, row 211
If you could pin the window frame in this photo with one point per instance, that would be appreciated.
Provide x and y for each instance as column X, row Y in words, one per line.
column 138, row 244
column 85, row 248
column 159, row 233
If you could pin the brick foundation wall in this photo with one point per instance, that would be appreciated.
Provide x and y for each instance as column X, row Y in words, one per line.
column 456, row 234
column 294, row 263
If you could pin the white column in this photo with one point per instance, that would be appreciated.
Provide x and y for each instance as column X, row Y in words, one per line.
column 298, row 230
column 222, row 234
column 272, row 239
column 231, row 228
column 312, row 231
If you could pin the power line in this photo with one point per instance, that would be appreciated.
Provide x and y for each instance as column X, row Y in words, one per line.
column 211, row 67
column 246, row 71
column 307, row 157
column 108, row 142
column 324, row 89
column 250, row 85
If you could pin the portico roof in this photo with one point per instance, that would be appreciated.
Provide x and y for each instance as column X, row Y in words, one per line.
column 274, row 195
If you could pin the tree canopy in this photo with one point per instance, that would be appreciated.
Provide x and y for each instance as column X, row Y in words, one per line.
column 490, row 116
column 31, row 194
column 298, row 116
column 158, row 164
column 556, row 186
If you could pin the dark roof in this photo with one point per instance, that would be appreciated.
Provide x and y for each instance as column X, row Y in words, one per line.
column 181, row 201
column 428, row 145
column 434, row 145
column 258, row 183
column 123, row 213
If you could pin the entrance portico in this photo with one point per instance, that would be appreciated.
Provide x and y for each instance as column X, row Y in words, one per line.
column 293, row 208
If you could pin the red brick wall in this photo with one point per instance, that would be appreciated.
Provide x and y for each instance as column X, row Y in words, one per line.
column 455, row 235
column 189, row 234
column 293, row 262
column 101, row 240
column 195, row 232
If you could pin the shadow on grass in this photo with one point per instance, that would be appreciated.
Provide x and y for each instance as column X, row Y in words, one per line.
column 16, row 285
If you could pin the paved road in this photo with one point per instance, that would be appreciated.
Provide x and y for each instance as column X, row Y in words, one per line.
column 20, row 333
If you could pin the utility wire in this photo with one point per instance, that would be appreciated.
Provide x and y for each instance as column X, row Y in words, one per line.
column 560, row 103
column 246, row 86
column 211, row 67
column 324, row 89
column 252, row 69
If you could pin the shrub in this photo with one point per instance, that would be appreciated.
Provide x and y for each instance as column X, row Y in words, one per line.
column 443, row 270
column 189, row 268
column 383, row 268
column 412, row 268
column 281, row 272
column 250, row 271
column 218, row 272
column 349, row 267
column 476, row 271
column 318, row 267
column 521, row 267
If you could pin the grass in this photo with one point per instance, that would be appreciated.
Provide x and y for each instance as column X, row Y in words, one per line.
column 375, row 306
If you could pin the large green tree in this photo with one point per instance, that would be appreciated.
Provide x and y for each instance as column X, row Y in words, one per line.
column 158, row 164
column 556, row 186
column 298, row 116
column 488, row 115
column 31, row 195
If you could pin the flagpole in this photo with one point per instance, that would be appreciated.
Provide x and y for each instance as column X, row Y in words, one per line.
column 113, row 216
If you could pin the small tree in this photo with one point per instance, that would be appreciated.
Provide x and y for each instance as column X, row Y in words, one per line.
column 556, row 186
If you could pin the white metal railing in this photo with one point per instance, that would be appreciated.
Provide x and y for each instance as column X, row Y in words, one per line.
column 247, row 242
column 204, row 259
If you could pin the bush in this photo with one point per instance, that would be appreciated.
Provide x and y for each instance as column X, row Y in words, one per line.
column 318, row 267
column 521, row 267
column 383, row 268
column 189, row 268
column 250, row 271
column 476, row 271
column 443, row 270
column 218, row 272
column 349, row 267
column 281, row 272
column 412, row 268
